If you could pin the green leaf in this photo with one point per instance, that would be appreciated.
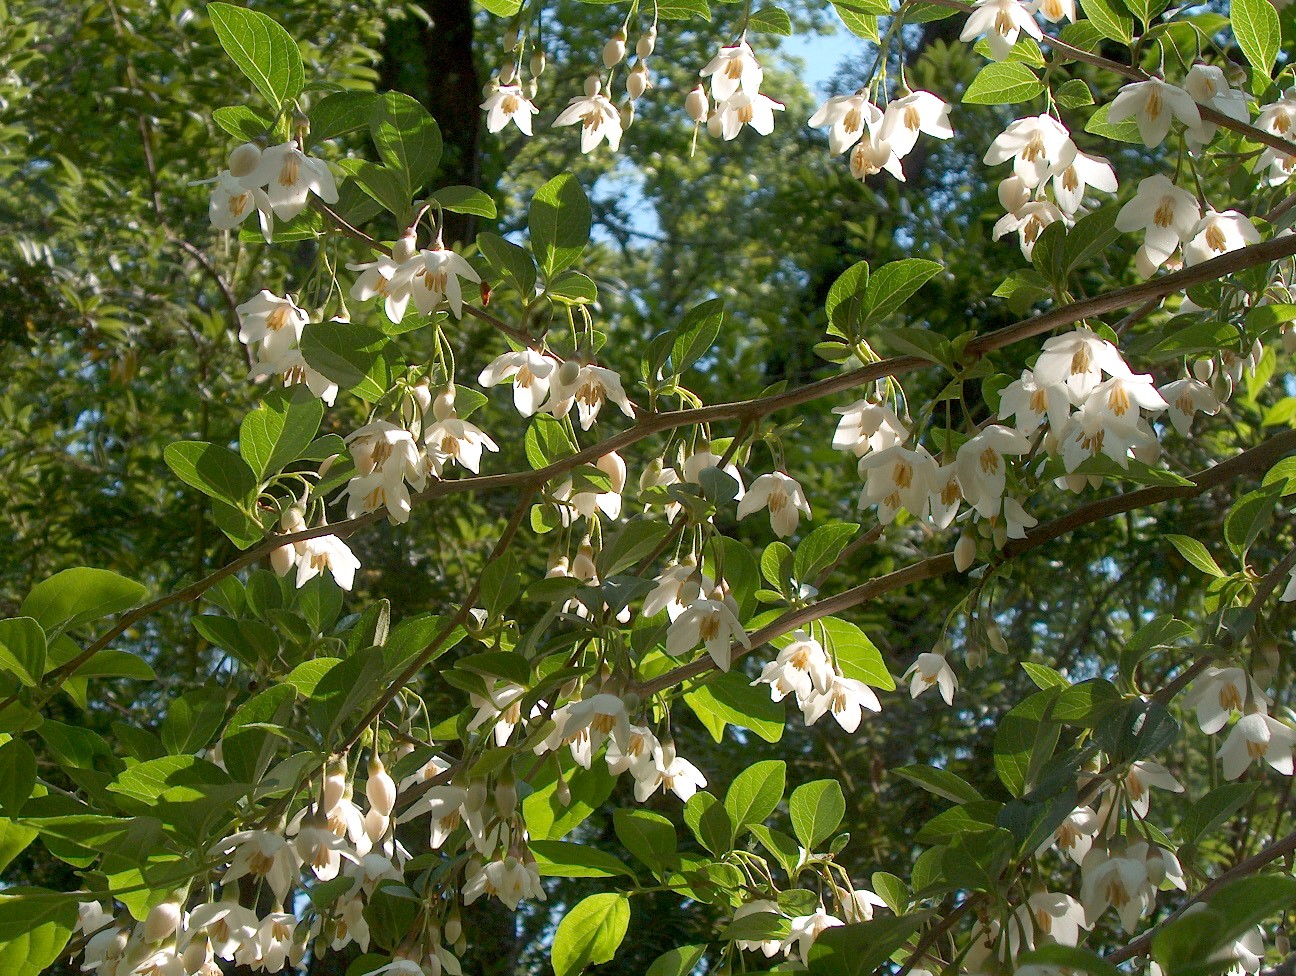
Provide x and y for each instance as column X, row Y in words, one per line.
column 550, row 818
column 756, row 792
column 1003, row 83
column 1091, row 235
column 1197, row 554
column 387, row 187
column 858, row 23
column 857, row 657
column 192, row 719
column 696, row 334
column 635, row 540
column 339, row 113
column 591, row 933
column 573, row 288
column 816, row 809
column 770, row 20
column 114, row 663
column 1024, row 741
column 512, row 263
column 1255, row 25
column 1110, row 18
column 1043, row 676
column 728, row 698
column 465, row 200
column 942, row 782
column 35, row 925
column 280, row 429
column 683, row 9
column 407, row 137
column 76, row 596
column 562, row 859
column 247, row 744
column 547, row 441
column 17, row 776
column 214, row 470
column 976, row 859
column 559, row 220
column 890, row 286
column 1213, row 809
column 1180, row 946
column 862, row 949
column 648, row 836
column 1073, row 94
column 1250, row 515
column 501, row 8
column 22, row 649
column 1069, row 958
column 1087, row 703
column 357, row 358
column 707, row 817
column 677, row 962
column 14, row 839
column 845, row 303
column 242, row 122
column 1125, row 130
column 263, row 51
column 821, row 548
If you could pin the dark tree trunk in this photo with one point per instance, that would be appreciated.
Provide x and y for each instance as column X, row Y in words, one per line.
column 434, row 63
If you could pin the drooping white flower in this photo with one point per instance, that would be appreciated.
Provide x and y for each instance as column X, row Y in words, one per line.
column 290, row 177
column 506, row 104
column 386, row 458
column 1208, row 86
column 1076, row 172
column 226, row 924
column 1279, row 117
column 1120, row 399
column 432, row 277
column 1140, row 778
column 1029, row 223
column 1219, row 692
column 587, row 388
column 1000, row 21
column 326, row 552
column 845, row 699
column 270, row 326
column 982, row 468
column 232, row 201
column 1077, row 360
column 531, row 372
column 1055, row 10
column 382, row 279
column 1187, row 397
column 598, row 117
column 584, row 504
column 501, row 708
column 635, row 753
column 872, row 155
column 509, row 879
column 905, row 117
column 1054, row 917
column 1017, row 519
column 703, row 459
column 1167, row 214
column 1091, row 432
column 1219, row 233
column 897, row 477
column 740, row 109
column 1118, row 880
column 734, row 67
column 803, row 932
column 1257, row 736
column 932, row 669
column 761, row 906
column 1075, row 835
column 867, row 426
column 783, row 497
column 846, row 117
column 667, row 771
column 293, row 370
column 802, row 668
column 1033, row 144
column 1153, row 104
column 678, row 587
column 262, row 856
column 710, row 622
column 1031, row 403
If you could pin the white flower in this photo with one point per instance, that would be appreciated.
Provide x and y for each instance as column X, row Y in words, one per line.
column 1031, row 403
column 804, row 930
column 1074, row 173
column 1120, row 399
column 432, row 277
column 782, row 496
column 873, row 155
column 704, row 459
column 599, row 120
column 635, row 753
column 734, row 67
column 1207, row 85
column 761, row 906
column 227, row 924
column 588, row 388
column 262, row 856
column 1091, row 432
column 452, row 440
column 290, row 177
column 896, row 478
column 326, row 552
column 508, row 104
column 1000, row 21
column 1257, row 736
column 1029, row 223
column 531, row 373
column 1033, row 144
column 932, row 669
column 741, row 109
column 293, row 369
column 847, row 116
column 677, row 588
column 1117, row 880
column 1055, row 10
column 1219, row 692
column 502, row 707
column 510, row 880
column 866, row 426
column 905, row 117
column 667, row 771
column 275, row 941
column 1018, row 520
column 270, row 325
column 1075, row 836
column 708, row 622
column 584, row 504
column 382, row 278
column 232, row 201
column 1153, row 104
column 1140, row 778
column 1167, row 214
column 1077, row 360
column 1186, row 397
column 859, row 905
column 1280, row 117
column 982, row 469
column 845, row 699
column 801, row 668
column 1055, row 916
column 601, row 716
column 1219, row 233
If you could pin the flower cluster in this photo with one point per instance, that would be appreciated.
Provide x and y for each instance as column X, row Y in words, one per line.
column 271, row 327
column 428, row 277
column 879, row 139
column 275, row 182
column 804, row 669
column 736, row 78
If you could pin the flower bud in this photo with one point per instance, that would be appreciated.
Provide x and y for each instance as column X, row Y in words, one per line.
column 529, row 90
column 965, row 552
column 1223, row 386
column 508, row 73
column 592, row 85
column 244, row 159
column 1204, row 369
column 583, row 565
column 196, row 956
column 538, row 62
column 380, row 788
column 405, row 248
column 506, row 796
column 995, row 635
column 568, row 373
column 422, row 395
column 647, row 42
column 1288, row 339
column 562, row 791
column 511, row 39
column 162, row 921
column 627, row 113
column 1257, row 353
column 697, row 105
column 282, row 560
column 443, row 405
column 335, row 785
column 453, row 926
column 375, row 825
column 1014, row 194
column 637, row 82
column 999, row 535
column 614, row 51
column 476, row 797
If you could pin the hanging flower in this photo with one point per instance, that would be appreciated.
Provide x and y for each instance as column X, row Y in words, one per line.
column 782, row 496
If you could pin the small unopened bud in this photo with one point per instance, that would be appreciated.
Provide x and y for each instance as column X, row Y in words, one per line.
column 506, row 797
column 592, row 85
column 647, row 42
column 614, row 51
column 162, row 922
column 637, row 81
column 476, row 797
column 1204, row 369
column 1289, row 339
column 405, row 248
column 244, row 159
column 375, row 825
column 995, row 635
column 697, row 105
column 965, row 552
column 999, row 535
column 568, row 372
column 648, row 478
column 511, row 39
column 1223, row 386
column 422, row 395
column 530, row 88
column 335, row 784
column 1014, row 193
column 627, row 113
column 508, row 73
column 380, row 788
column 562, row 791
column 538, row 62
column 282, row 560
column 453, row 926
column 195, row 957
column 443, row 405
column 1257, row 353
column 583, row 565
